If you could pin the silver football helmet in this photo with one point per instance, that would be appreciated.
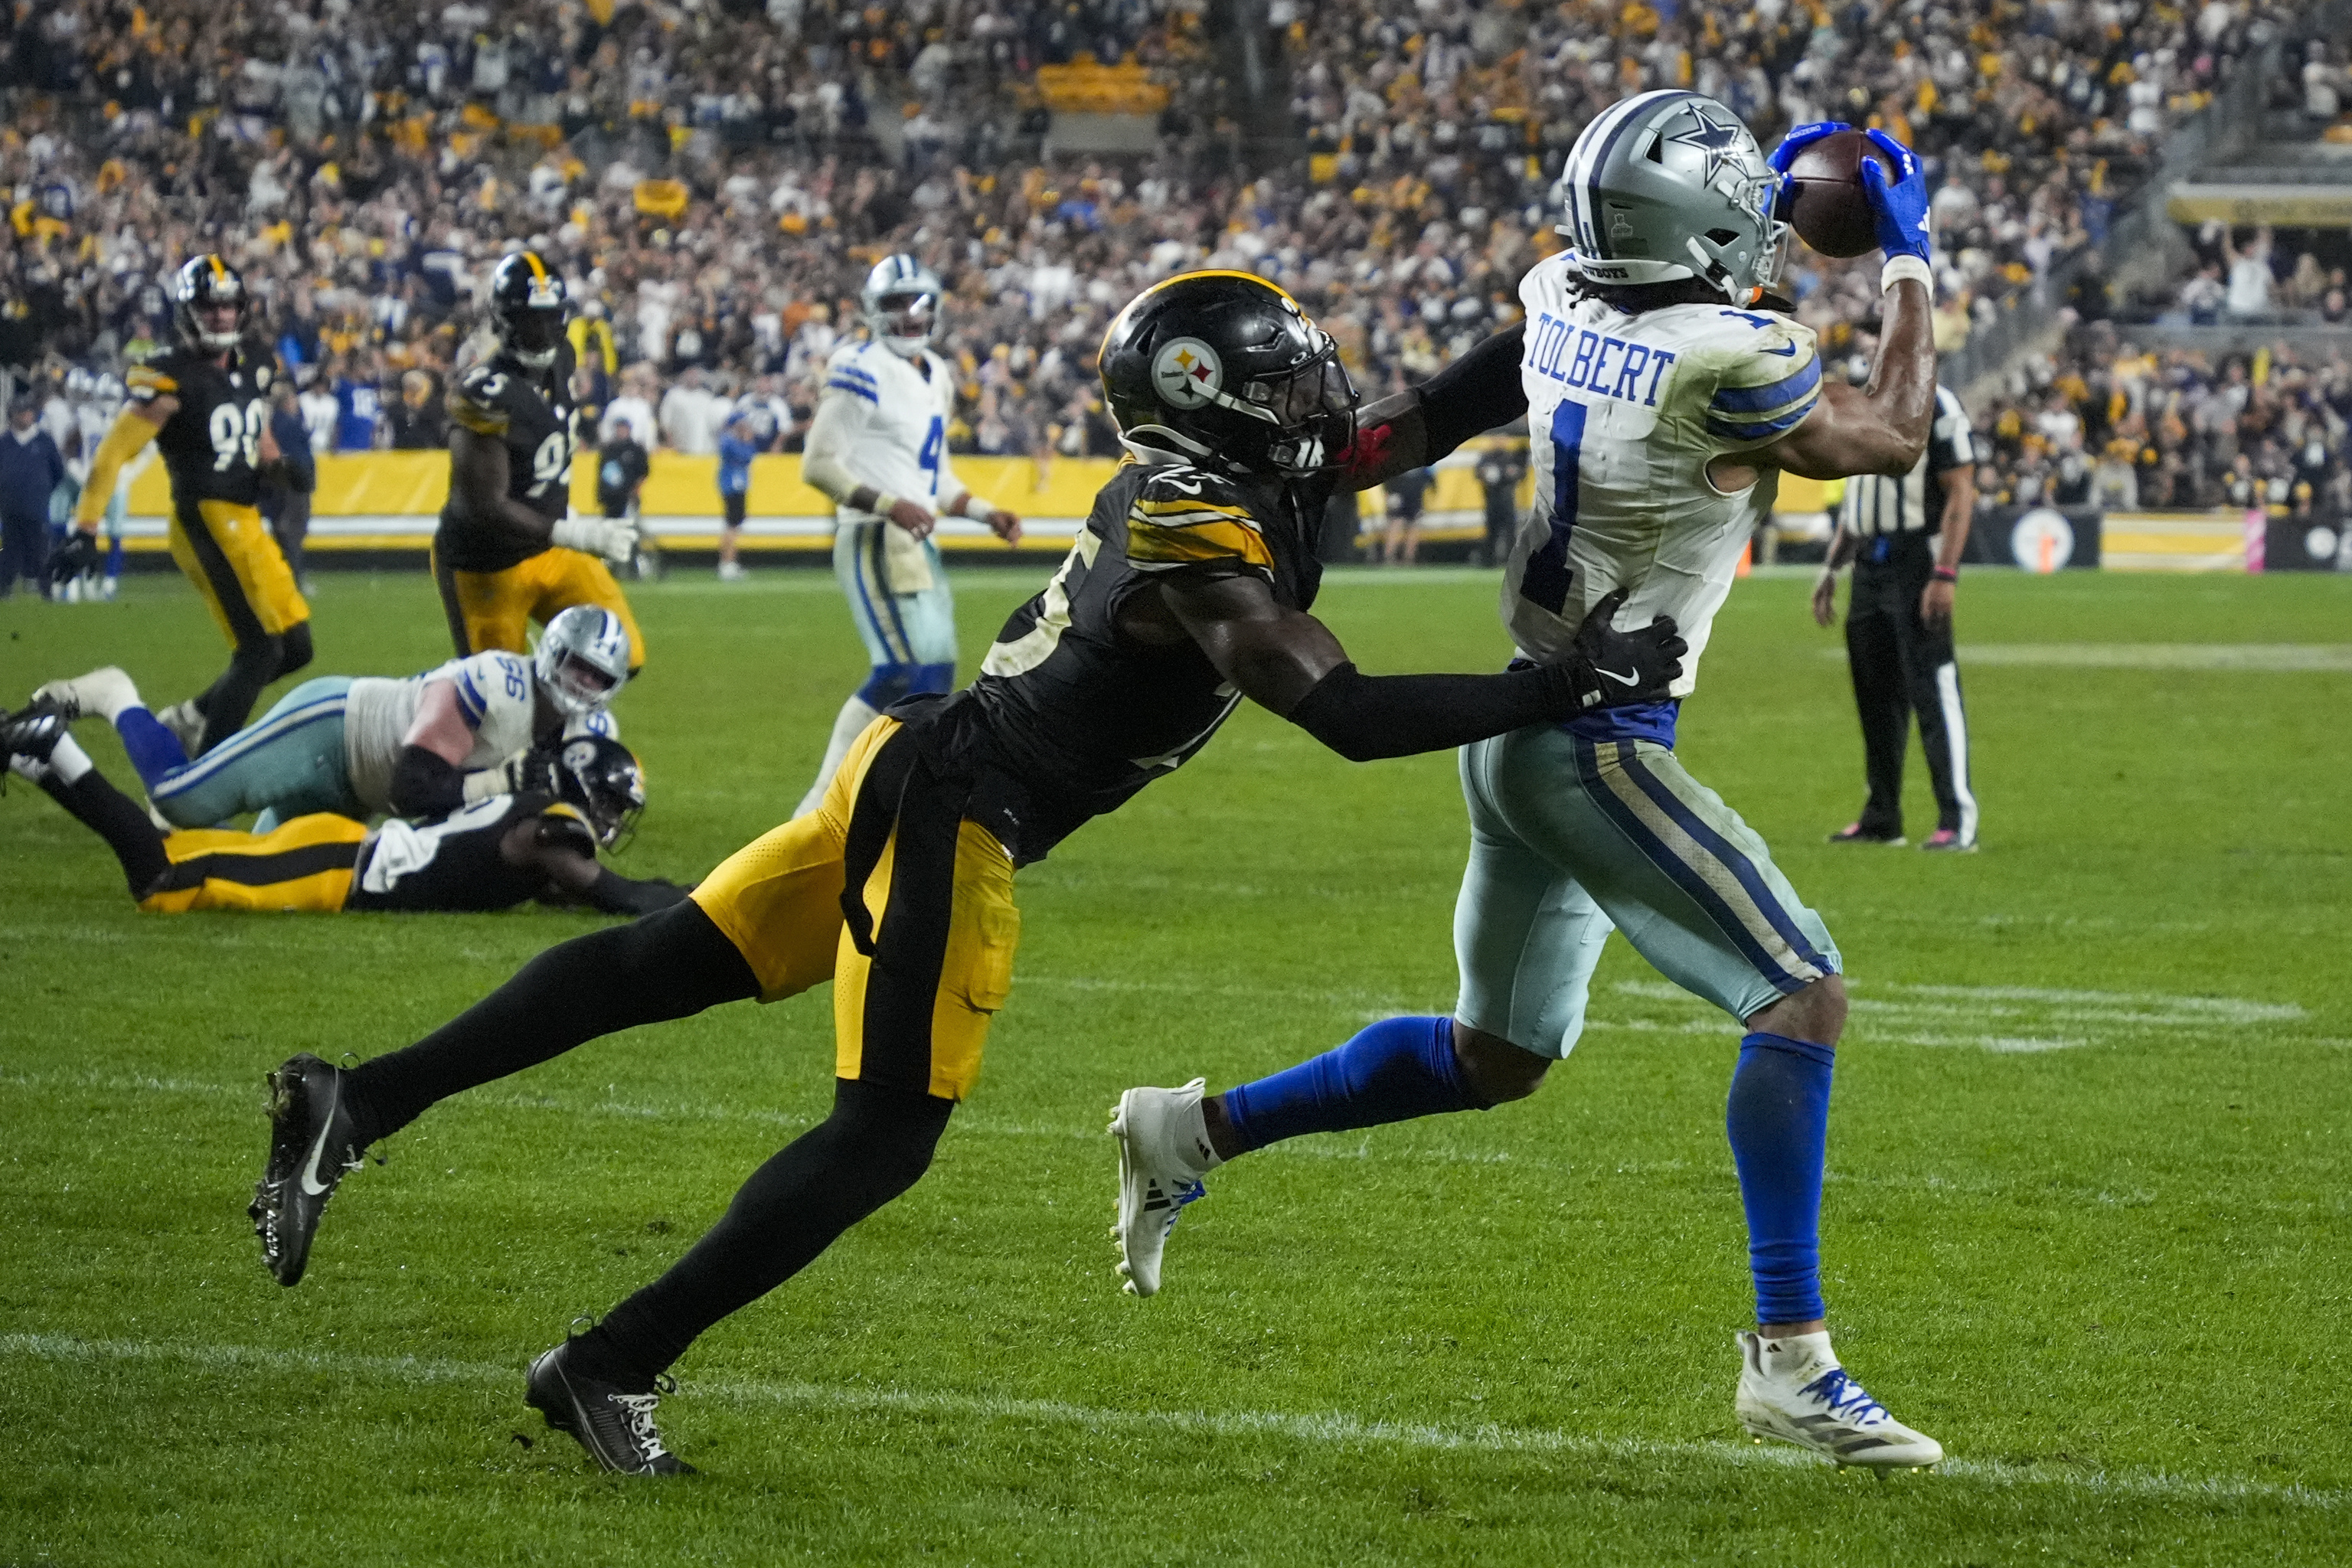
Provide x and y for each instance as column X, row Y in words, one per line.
column 583, row 660
column 902, row 301
column 1668, row 185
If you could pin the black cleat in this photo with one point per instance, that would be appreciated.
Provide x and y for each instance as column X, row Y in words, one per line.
column 312, row 1142
column 1855, row 833
column 31, row 732
column 615, row 1426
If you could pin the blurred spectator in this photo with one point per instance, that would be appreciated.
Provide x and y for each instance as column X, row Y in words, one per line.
column 419, row 421
column 2251, row 284
column 31, row 468
column 1406, row 492
column 1502, row 463
column 736, row 451
column 621, row 469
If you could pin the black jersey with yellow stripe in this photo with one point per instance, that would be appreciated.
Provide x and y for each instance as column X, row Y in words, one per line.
column 531, row 411
column 1082, row 713
column 452, row 863
column 212, row 443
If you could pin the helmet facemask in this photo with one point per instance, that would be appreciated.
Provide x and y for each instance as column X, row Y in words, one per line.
column 1313, row 412
column 602, row 778
column 904, row 320
column 583, row 660
column 532, row 337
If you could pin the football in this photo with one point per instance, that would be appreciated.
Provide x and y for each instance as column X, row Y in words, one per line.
column 1829, row 208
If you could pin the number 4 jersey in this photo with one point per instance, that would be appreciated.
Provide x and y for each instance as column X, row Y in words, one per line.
column 1624, row 413
column 212, row 443
column 531, row 411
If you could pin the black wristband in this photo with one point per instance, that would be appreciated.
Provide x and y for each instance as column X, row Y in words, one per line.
column 425, row 784
column 1364, row 717
column 1474, row 395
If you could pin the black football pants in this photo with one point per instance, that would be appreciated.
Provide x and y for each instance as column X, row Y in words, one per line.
column 1903, row 666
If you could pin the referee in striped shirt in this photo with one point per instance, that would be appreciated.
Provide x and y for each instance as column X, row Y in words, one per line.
column 1905, row 537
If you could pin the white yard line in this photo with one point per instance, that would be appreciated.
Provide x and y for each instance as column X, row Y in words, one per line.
column 2249, row 659
column 1336, row 1428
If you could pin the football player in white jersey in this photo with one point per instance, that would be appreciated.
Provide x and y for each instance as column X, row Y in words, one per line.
column 484, row 725
column 878, row 447
column 1664, row 391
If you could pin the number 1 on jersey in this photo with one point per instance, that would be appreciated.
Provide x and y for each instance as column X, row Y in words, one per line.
column 1544, row 582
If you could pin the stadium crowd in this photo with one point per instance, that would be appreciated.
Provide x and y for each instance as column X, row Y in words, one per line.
column 714, row 177
column 2113, row 425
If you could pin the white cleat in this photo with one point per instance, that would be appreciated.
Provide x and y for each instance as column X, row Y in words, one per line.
column 1163, row 1148
column 187, row 725
column 102, row 693
column 1792, row 1388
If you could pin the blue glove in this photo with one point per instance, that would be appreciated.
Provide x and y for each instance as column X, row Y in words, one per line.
column 1798, row 139
column 1901, row 208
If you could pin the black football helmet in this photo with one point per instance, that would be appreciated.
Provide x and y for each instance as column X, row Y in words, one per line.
column 528, row 306
column 601, row 777
column 202, row 283
column 1226, row 369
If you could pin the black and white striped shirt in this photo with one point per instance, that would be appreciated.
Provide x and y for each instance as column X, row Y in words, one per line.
column 1914, row 503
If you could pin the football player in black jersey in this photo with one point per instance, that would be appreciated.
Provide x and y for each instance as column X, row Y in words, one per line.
column 508, row 551
column 489, row 854
column 205, row 402
column 1188, row 589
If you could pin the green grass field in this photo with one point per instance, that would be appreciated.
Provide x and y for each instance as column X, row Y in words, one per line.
column 2086, row 1221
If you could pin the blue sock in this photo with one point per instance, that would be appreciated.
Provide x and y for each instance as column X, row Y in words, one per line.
column 1778, row 1120
column 154, row 751
column 1396, row 1069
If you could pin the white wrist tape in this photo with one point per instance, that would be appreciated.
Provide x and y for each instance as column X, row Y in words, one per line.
column 586, row 534
column 977, row 505
column 883, row 501
column 482, row 786
column 1898, row 267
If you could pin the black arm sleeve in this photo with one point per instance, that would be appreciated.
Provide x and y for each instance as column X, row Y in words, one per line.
column 617, row 895
column 1474, row 395
column 1363, row 717
column 423, row 785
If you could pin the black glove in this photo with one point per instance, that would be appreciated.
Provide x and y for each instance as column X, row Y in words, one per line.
column 1610, row 669
column 537, row 771
column 79, row 556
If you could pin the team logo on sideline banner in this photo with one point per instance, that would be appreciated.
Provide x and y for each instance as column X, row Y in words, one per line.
column 2042, row 540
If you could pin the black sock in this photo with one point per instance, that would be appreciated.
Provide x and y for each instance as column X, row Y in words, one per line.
column 114, row 816
column 667, row 966
column 228, row 702
column 875, row 1145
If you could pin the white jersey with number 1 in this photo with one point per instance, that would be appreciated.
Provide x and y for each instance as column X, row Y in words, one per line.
column 1624, row 413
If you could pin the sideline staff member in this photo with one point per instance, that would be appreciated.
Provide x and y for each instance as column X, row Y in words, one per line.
column 1905, row 537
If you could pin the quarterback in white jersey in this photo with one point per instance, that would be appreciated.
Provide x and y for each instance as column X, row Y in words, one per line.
column 1664, row 391
column 878, row 447
column 366, row 746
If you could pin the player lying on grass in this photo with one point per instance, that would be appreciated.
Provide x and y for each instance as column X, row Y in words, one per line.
column 491, row 854
column 486, row 725
column 1187, row 590
column 1663, row 404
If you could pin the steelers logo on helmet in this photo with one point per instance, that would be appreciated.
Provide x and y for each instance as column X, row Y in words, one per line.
column 579, row 754
column 1187, row 373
